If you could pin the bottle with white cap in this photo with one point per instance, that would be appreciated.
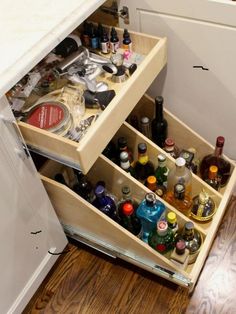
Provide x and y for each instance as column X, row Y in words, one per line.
column 180, row 174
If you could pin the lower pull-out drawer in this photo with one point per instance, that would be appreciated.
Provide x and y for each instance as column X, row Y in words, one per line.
column 152, row 54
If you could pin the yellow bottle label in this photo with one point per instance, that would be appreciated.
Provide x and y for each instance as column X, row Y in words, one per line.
column 143, row 160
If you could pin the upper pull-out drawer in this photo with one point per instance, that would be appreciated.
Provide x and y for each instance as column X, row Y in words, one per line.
column 83, row 154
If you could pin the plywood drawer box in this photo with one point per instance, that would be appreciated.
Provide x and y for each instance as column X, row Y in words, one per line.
column 89, row 225
column 82, row 155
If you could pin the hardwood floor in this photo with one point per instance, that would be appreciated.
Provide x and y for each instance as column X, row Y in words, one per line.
column 84, row 281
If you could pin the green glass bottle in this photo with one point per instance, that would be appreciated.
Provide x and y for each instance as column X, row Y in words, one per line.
column 162, row 171
column 161, row 238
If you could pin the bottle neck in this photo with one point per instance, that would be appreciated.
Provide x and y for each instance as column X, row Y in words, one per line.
column 180, row 170
column 159, row 111
column 218, row 151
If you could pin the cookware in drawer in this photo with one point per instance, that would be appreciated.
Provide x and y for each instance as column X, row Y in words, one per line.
column 83, row 154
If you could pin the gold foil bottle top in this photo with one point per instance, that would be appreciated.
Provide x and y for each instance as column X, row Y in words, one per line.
column 203, row 197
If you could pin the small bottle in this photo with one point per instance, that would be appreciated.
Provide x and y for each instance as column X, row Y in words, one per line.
column 126, row 198
column 105, row 45
column 104, row 202
column 114, row 41
column 171, row 148
column 159, row 123
column 99, row 34
column 143, row 167
column 161, row 172
column 203, row 206
column 178, row 199
column 123, row 147
column 161, row 238
column 213, row 179
column 216, row 159
column 152, row 185
column 127, row 43
column 145, row 127
column 130, row 221
column 188, row 156
column 193, row 240
column 93, row 37
column 172, row 222
column 125, row 164
column 85, row 35
column 149, row 211
column 180, row 174
column 180, row 255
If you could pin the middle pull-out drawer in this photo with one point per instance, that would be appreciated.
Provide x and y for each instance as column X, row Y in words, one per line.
column 83, row 154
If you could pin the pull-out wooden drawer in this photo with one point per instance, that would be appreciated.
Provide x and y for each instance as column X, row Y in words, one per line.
column 83, row 154
column 88, row 225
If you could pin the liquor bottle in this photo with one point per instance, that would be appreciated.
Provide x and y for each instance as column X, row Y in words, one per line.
column 216, row 159
column 178, row 199
column 195, row 162
column 171, row 148
column 105, row 46
column 161, row 238
column 110, row 152
column 193, row 240
column 104, row 202
column 123, row 147
column 172, row 222
column 83, row 187
column 180, row 255
column 203, row 206
column 151, row 183
column 213, row 179
column 127, row 43
column 125, row 164
column 159, row 123
column 161, row 171
column 143, row 167
column 145, row 127
column 180, row 174
column 188, row 156
column 114, row 41
column 129, row 220
column 149, row 211
column 126, row 198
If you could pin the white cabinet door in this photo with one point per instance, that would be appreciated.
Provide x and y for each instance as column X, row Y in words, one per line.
column 198, row 83
column 29, row 228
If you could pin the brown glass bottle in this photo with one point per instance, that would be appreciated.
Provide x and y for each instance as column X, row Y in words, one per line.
column 159, row 124
column 216, row 159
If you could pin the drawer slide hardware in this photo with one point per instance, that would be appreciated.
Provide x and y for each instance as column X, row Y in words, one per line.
column 113, row 10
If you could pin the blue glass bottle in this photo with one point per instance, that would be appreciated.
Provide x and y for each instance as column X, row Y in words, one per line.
column 149, row 212
column 104, row 202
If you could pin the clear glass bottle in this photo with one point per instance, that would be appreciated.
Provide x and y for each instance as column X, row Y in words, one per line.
column 149, row 211
column 172, row 222
column 193, row 240
column 180, row 254
column 171, row 148
column 161, row 171
column 126, row 198
column 104, row 202
column 159, row 123
column 129, row 220
column 213, row 179
column 145, row 127
column 216, row 159
column 203, row 207
column 178, row 199
column 143, row 166
column 180, row 174
column 161, row 238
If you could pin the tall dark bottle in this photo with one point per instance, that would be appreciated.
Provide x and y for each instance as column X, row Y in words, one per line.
column 159, row 123
column 216, row 159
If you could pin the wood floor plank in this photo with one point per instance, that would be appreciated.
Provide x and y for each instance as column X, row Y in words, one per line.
column 84, row 281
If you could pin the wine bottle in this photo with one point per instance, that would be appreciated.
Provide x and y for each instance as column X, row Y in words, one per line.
column 143, row 167
column 216, row 159
column 159, row 123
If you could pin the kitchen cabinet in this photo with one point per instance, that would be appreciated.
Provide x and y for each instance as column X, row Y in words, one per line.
column 80, row 219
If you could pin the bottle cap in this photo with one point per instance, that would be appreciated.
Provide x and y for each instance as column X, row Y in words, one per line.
column 99, row 190
column 169, row 142
column 142, row 148
column 124, row 156
column 162, row 227
column 125, row 189
column 171, row 217
column 161, row 158
column 159, row 100
column 213, row 170
column 179, row 191
column 145, row 120
column 220, row 141
column 128, row 209
column 150, row 198
column 180, row 247
column 122, row 142
column 151, row 182
column 188, row 228
column 180, row 162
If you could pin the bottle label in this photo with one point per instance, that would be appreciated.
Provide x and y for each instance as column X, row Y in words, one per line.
column 105, row 47
column 114, row 46
column 127, row 47
column 143, row 160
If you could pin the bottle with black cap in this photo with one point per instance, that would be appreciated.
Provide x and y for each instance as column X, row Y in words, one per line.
column 159, row 123
column 143, row 166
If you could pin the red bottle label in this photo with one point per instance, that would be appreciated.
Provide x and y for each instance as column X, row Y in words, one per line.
column 161, row 247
